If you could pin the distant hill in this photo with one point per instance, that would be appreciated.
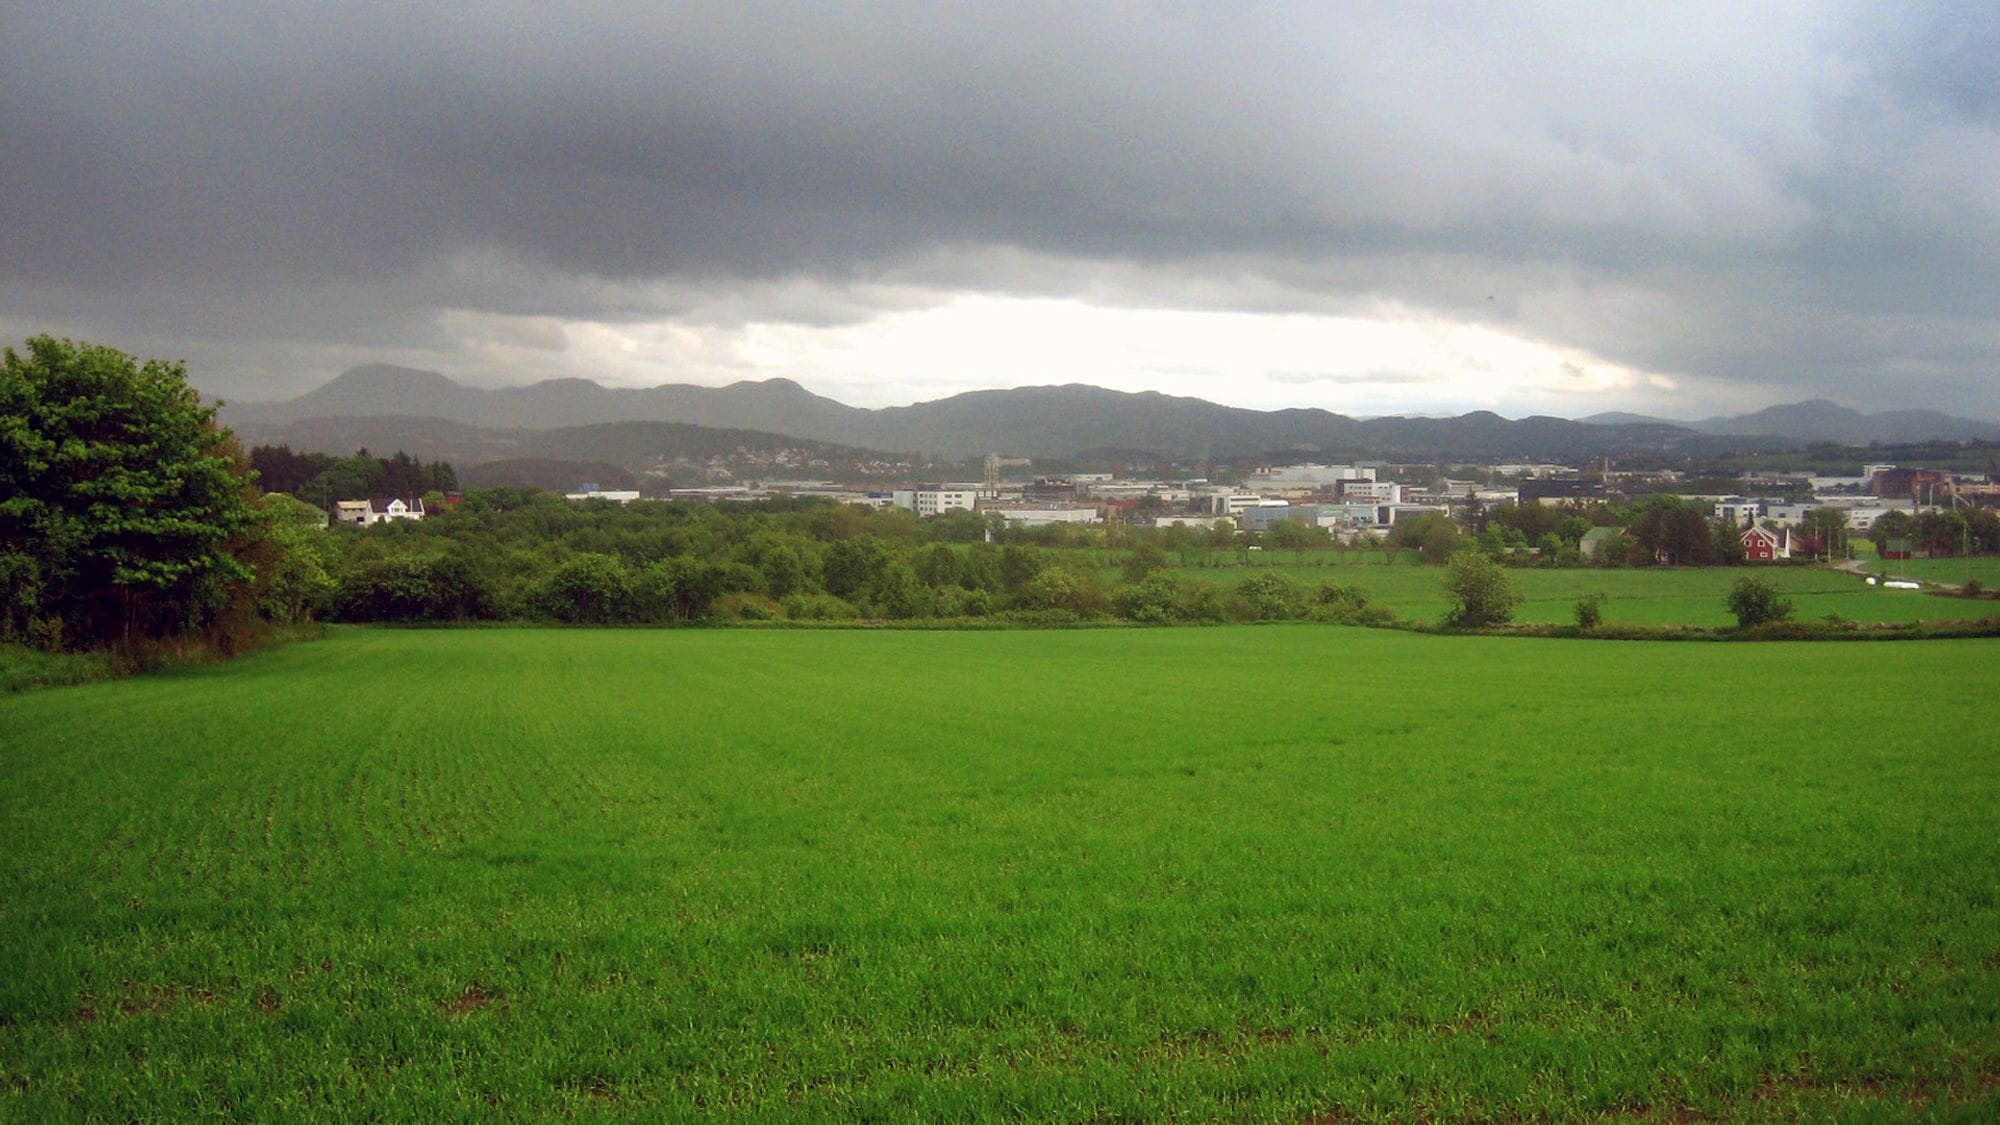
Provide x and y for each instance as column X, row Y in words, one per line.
column 383, row 391
column 628, row 445
column 1818, row 420
column 1046, row 422
column 542, row 472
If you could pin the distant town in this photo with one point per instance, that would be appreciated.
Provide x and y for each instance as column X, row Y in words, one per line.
column 1348, row 501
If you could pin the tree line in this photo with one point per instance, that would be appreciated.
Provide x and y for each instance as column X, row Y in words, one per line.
column 321, row 478
column 521, row 554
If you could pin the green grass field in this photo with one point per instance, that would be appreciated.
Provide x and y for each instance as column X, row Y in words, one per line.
column 1955, row 571
column 1691, row 596
column 1279, row 873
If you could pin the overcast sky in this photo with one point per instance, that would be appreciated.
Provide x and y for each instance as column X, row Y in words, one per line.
column 1683, row 209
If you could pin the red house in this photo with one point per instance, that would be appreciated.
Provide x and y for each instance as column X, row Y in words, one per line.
column 1766, row 544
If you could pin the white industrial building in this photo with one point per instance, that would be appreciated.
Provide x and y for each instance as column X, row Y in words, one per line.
column 936, row 501
column 1042, row 517
column 1307, row 477
column 1371, row 492
column 592, row 492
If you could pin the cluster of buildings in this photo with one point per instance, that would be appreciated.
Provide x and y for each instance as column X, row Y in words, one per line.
column 1771, row 523
column 1880, row 489
column 1346, row 500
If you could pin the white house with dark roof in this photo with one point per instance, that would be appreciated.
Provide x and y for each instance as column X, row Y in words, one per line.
column 378, row 510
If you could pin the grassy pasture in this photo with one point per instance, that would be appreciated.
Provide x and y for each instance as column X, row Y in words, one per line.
column 1252, row 873
column 1985, row 568
column 1639, row 596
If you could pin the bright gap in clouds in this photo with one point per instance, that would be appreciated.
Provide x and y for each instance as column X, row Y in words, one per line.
column 1397, row 362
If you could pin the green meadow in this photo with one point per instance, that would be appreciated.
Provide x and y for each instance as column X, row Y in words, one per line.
column 1252, row 873
column 1643, row 596
column 1981, row 568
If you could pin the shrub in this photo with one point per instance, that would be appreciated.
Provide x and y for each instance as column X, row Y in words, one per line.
column 1481, row 593
column 683, row 588
column 1075, row 592
column 1335, row 604
column 589, row 589
column 1331, row 593
column 1164, row 597
column 1146, row 558
column 744, row 607
column 1589, row 611
column 1756, row 602
column 1269, row 597
column 419, row 588
column 901, row 596
column 957, row 601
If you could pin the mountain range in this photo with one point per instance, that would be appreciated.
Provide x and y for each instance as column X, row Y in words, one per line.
column 429, row 414
column 1820, row 420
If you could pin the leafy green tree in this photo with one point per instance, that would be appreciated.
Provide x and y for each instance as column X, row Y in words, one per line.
column 1298, row 536
column 1828, row 527
column 1985, row 528
column 1181, row 540
column 122, row 505
column 959, row 526
column 1145, row 558
column 1481, row 593
column 980, row 569
column 1616, row 551
column 1670, row 530
column 683, row 588
column 1221, row 534
column 899, row 594
column 414, row 588
column 938, row 565
column 1589, row 611
column 1149, row 600
column 1164, row 597
column 1269, row 596
column 854, row 565
column 1074, row 591
column 1336, row 594
column 1728, row 540
column 295, row 570
column 350, row 478
column 1891, row 526
column 1018, row 566
column 1756, row 602
column 789, row 563
column 1939, row 534
column 1433, row 534
column 279, row 469
column 589, row 589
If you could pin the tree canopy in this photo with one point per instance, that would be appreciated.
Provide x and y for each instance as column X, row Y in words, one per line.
column 122, row 505
column 1757, row 602
column 1481, row 593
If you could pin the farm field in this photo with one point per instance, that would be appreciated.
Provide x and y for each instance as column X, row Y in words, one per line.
column 1986, row 569
column 1261, row 873
column 1639, row 596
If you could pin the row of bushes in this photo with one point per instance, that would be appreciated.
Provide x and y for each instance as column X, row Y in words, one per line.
column 600, row 589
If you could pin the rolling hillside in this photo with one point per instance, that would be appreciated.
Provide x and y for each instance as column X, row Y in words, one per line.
column 1052, row 421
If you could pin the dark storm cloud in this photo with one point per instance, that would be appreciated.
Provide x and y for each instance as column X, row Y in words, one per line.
column 1804, row 196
